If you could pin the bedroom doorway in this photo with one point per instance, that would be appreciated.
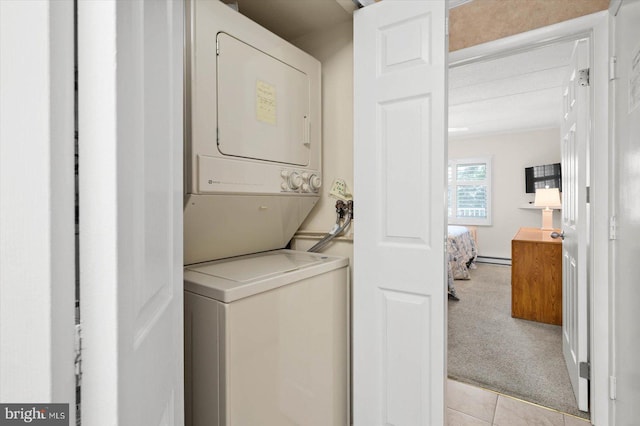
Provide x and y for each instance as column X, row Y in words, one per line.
column 505, row 88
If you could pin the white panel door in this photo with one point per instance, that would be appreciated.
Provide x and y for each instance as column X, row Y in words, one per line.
column 130, row 159
column 626, row 321
column 400, row 157
column 575, row 222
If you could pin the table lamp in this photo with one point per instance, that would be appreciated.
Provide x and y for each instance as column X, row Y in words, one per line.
column 549, row 198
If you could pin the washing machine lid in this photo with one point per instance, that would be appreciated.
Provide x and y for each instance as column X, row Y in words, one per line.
column 231, row 279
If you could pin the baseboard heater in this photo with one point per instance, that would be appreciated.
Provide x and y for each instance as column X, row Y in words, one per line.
column 494, row 260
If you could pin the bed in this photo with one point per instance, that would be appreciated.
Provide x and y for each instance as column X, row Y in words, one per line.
column 462, row 253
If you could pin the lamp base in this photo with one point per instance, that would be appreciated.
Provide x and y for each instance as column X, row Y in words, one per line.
column 547, row 219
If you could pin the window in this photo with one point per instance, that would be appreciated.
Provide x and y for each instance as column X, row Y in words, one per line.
column 469, row 194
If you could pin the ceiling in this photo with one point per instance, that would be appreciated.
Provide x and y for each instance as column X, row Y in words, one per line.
column 291, row 19
column 512, row 93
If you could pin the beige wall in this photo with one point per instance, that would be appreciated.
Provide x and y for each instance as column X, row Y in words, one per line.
column 511, row 153
column 481, row 21
column 333, row 47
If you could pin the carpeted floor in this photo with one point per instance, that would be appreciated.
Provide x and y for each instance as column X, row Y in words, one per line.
column 490, row 349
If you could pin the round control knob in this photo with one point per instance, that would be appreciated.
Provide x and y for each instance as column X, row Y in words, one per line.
column 295, row 180
column 315, row 183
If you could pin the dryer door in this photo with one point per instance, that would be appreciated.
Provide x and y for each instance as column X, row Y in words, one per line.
column 263, row 105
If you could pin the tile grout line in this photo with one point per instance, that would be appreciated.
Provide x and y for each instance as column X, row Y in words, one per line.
column 466, row 414
column 495, row 410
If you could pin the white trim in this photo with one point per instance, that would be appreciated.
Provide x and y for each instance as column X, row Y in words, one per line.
column 455, row 3
column 37, row 247
column 594, row 26
column 614, row 7
column 97, row 103
column 601, row 191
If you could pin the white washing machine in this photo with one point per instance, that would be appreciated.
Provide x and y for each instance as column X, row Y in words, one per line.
column 266, row 340
column 266, row 330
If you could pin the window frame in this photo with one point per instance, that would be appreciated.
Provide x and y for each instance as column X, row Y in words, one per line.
column 453, row 183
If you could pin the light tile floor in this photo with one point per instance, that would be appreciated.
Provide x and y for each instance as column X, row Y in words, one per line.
column 472, row 406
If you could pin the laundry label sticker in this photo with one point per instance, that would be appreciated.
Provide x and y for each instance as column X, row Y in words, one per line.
column 265, row 102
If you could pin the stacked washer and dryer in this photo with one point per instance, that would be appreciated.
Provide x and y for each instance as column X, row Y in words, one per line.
column 266, row 329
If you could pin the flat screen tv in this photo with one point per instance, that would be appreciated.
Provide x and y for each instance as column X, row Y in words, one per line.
column 542, row 176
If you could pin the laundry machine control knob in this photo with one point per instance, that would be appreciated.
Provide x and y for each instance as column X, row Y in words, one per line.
column 315, row 183
column 295, row 180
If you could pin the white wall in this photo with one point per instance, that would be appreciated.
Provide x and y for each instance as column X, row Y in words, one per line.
column 511, row 153
column 37, row 254
column 333, row 47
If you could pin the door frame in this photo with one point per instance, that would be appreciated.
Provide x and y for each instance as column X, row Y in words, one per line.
column 596, row 28
column 37, row 244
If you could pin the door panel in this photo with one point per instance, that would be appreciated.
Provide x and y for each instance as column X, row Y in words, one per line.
column 575, row 222
column 130, row 143
column 400, row 157
column 626, row 292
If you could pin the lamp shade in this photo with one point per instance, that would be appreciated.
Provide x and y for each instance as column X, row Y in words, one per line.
column 548, row 197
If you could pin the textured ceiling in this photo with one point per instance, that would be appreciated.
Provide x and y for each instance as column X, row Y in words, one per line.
column 513, row 93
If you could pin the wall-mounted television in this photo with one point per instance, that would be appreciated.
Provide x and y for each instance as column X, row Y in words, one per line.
column 542, row 176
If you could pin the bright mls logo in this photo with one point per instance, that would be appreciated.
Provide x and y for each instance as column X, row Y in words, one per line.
column 34, row 414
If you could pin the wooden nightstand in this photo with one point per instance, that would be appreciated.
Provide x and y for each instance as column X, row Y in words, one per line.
column 536, row 276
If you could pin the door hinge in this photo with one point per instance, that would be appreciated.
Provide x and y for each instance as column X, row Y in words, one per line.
column 585, row 370
column 612, row 387
column 78, row 354
column 613, row 68
column 613, row 227
column 588, row 194
column 583, row 77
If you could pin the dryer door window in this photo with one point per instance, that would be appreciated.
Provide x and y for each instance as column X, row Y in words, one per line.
column 263, row 105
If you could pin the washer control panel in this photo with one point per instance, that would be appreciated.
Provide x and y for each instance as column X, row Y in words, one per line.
column 299, row 181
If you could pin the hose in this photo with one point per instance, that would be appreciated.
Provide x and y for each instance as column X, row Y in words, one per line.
column 338, row 228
